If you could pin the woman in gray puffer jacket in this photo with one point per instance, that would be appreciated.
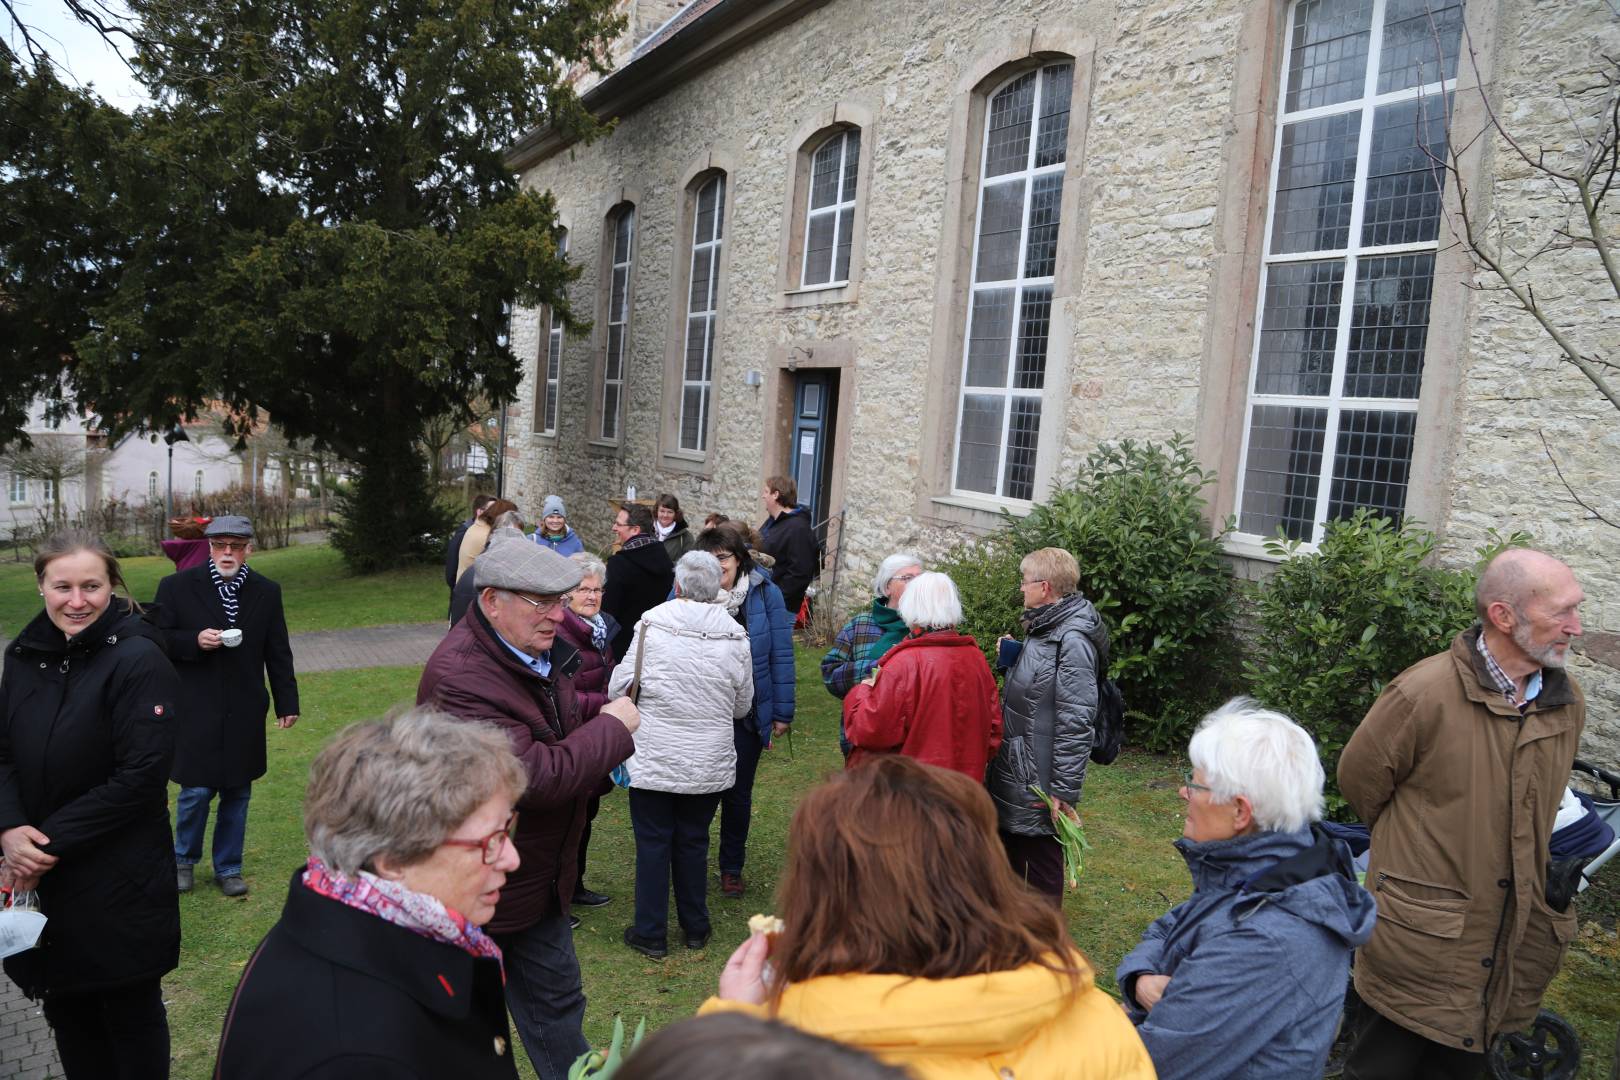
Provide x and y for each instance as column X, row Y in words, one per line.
column 1049, row 705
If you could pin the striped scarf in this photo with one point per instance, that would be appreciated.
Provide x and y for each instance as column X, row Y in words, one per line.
column 228, row 588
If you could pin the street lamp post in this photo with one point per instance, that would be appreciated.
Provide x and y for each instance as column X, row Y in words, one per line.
column 174, row 435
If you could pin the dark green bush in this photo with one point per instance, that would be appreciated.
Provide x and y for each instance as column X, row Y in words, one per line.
column 389, row 518
column 1133, row 518
column 1336, row 624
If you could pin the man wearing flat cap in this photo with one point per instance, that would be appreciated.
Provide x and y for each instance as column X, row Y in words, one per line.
column 505, row 664
column 225, row 632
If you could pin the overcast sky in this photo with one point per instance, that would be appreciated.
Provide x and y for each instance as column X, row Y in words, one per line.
column 81, row 51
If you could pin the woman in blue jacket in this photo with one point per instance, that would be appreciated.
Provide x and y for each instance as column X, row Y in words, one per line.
column 754, row 601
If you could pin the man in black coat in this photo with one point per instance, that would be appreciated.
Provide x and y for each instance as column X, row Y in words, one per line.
column 789, row 539
column 639, row 576
column 224, row 629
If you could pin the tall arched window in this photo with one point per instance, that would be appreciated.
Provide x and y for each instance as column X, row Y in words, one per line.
column 197, row 485
column 702, row 306
column 615, row 358
column 548, row 377
column 1348, row 270
column 1026, row 135
column 152, row 486
column 829, row 221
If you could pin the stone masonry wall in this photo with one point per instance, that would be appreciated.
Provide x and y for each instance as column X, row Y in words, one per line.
column 1135, row 334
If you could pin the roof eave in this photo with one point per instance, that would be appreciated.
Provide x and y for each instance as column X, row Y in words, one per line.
column 713, row 35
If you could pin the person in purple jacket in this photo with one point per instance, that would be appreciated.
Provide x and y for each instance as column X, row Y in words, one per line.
column 590, row 630
column 503, row 665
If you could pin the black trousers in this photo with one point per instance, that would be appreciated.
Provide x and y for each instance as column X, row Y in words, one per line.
column 120, row 1034
column 1381, row 1049
column 672, row 845
column 1038, row 860
column 591, row 809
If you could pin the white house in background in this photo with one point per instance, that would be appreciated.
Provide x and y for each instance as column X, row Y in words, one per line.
column 27, row 497
column 135, row 468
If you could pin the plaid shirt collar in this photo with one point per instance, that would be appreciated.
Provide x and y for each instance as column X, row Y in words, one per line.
column 1504, row 682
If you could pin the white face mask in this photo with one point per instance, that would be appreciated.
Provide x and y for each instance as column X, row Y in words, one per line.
column 20, row 926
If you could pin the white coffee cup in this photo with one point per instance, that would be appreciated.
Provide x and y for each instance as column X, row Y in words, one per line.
column 230, row 638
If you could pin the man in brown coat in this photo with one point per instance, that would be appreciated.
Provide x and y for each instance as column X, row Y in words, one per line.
column 504, row 664
column 1459, row 769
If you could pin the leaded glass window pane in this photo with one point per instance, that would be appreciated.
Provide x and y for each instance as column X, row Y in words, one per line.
column 1045, row 200
column 1284, row 468
column 1372, row 463
column 989, row 336
column 1001, row 220
column 1316, row 179
column 1405, row 173
column 1389, row 326
column 1011, row 110
column 979, row 446
column 1299, row 328
column 1328, row 53
column 1421, row 41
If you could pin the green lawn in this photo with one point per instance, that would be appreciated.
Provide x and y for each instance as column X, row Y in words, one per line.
column 317, row 592
column 1133, row 875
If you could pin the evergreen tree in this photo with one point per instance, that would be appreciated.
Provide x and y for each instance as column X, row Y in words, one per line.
column 316, row 219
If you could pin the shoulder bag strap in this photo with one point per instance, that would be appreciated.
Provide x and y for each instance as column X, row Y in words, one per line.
column 635, row 677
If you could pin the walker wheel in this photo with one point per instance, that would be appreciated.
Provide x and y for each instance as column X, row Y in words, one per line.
column 1550, row 1050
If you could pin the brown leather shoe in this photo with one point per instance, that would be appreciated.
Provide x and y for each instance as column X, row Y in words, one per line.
column 732, row 887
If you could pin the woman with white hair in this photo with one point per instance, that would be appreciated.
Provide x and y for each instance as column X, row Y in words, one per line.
column 871, row 631
column 1247, row 978
column 932, row 697
column 696, row 677
column 379, row 963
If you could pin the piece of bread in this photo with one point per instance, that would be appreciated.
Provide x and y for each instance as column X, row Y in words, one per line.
column 765, row 924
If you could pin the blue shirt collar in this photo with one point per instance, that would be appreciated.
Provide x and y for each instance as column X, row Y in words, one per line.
column 540, row 665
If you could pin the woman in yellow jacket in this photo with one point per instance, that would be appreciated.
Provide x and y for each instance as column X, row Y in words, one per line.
column 905, row 932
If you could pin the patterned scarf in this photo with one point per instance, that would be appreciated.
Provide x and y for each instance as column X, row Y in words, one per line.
column 394, row 903
column 733, row 597
column 228, row 588
column 598, row 627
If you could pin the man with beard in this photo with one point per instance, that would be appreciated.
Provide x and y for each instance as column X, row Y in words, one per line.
column 1458, row 769
column 225, row 630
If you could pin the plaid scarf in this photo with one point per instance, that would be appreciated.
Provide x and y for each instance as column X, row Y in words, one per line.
column 228, row 588
column 394, row 903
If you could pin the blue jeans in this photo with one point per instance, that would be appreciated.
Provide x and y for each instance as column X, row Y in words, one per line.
column 672, row 842
column 545, row 994
column 737, row 801
column 230, row 827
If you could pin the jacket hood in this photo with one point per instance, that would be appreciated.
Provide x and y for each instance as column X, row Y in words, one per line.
column 1306, row 873
column 120, row 620
column 1073, row 612
column 971, row 1016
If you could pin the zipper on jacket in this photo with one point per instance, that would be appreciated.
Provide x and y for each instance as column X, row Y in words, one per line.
column 1501, row 920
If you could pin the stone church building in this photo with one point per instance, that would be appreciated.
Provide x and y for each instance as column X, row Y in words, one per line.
column 924, row 255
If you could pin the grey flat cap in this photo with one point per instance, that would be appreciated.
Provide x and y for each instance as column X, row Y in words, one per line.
column 230, row 525
column 525, row 567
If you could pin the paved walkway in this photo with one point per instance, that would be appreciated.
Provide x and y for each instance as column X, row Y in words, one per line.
column 27, row 1051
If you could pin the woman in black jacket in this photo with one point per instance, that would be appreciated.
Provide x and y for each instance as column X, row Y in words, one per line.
column 379, row 966
column 86, row 739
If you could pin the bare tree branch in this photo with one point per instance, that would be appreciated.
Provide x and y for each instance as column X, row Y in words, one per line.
column 1582, row 503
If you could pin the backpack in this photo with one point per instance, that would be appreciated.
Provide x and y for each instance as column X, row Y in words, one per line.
column 1108, row 726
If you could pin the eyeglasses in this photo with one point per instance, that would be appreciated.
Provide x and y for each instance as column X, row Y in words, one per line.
column 235, row 547
column 1027, row 584
column 724, row 556
column 543, row 606
column 1188, row 783
column 904, row 578
column 492, row 843
column 588, row 592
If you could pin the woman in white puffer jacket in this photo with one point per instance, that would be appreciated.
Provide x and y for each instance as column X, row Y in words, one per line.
column 696, row 678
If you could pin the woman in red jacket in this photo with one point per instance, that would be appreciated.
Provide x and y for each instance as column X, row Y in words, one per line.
column 933, row 697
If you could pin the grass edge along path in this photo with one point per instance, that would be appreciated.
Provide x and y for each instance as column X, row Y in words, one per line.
column 1131, row 809
column 317, row 592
